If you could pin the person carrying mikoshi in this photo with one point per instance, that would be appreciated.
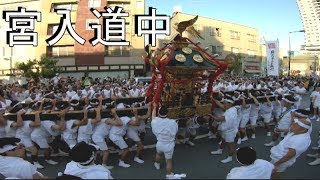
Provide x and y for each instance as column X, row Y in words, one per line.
column 165, row 130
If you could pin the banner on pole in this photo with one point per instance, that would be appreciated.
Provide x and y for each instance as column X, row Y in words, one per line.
column 272, row 48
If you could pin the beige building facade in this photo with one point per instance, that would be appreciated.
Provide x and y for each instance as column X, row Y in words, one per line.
column 222, row 38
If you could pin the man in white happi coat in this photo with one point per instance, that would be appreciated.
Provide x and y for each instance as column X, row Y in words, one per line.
column 165, row 130
column 83, row 163
column 118, row 130
column 43, row 135
column 266, row 112
column 133, row 132
column 285, row 119
column 228, row 127
column 12, row 163
column 292, row 146
column 252, row 168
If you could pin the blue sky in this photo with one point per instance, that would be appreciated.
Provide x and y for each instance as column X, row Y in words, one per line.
column 273, row 18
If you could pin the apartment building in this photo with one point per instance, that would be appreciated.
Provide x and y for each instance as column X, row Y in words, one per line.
column 310, row 15
column 222, row 38
column 68, row 51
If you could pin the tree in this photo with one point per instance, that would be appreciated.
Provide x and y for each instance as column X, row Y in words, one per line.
column 235, row 63
column 34, row 69
column 48, row 67
column 28, row 69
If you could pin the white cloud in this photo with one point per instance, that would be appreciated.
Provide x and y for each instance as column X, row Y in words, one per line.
column 177, row 8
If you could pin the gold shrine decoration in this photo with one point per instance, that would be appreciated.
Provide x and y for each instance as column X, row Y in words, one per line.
column 200, row 110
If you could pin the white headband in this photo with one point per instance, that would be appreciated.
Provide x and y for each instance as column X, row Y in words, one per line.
column 7, row 148
column 94, row 104
column 87, row 162
column 76, row 104
column 162, row 116
column 288, row 101
column 229, row 101
column 301, row 124
column 301, row 115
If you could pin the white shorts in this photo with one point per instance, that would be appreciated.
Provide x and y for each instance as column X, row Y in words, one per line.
column 119, row 141
column 27, row 142
column 266, row 117
column 244, row 121
column 276, row 114
column 229, row 135
column 99, row 141
column 253, row 120
column 102, row 146
column 316, row 105
column 165, row 148
column 133, row 134
column 43, row 142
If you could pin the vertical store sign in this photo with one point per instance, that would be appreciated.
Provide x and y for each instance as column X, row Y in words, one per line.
column 272, row 48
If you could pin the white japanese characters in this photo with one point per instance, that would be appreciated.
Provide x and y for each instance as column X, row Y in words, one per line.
column 22, row 25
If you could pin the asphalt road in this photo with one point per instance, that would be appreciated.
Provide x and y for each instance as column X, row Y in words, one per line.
column 197, row 162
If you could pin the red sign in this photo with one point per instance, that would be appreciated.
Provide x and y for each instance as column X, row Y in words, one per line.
column 272, row 45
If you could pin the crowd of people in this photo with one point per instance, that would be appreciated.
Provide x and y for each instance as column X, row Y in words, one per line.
column 87, row 138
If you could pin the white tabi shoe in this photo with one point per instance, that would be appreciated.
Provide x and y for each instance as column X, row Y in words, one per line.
column 219, row 151
column 315, row 162
column 156, row 165
column 50, row 161
column 123, row 164
column 138, row 160
column 272, row 143
column 228, row 159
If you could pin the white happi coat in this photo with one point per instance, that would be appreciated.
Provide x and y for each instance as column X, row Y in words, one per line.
column 260, row 169
column 165, row 131
column 87, row 172
column 16, row 167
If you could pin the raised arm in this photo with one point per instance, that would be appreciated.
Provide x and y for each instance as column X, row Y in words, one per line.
column 256, row 102
column 146, row 116
column 135, row 122
column 219, row 104
column 98, row 115
column 117, row 121
column 154, row 110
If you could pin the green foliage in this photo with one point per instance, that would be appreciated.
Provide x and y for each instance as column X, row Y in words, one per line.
column 28, row 69
column 34, row 69
column 48, row 67
column 235, row 66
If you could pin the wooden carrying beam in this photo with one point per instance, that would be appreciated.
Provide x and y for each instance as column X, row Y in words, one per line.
column 76, row 114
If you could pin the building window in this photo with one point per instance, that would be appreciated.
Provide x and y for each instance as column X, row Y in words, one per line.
column 218, row 32
column 60, row 51
column 251, row 54
column 125, row 5
column 68, row 6
column 94, row 3
column 212, row 33
column 234, row 35
column 251, row 38
column 117, row 51
column 139, row 4
column 91, row 21
column 52, row 28
column 216, row 50
column 234, row 50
